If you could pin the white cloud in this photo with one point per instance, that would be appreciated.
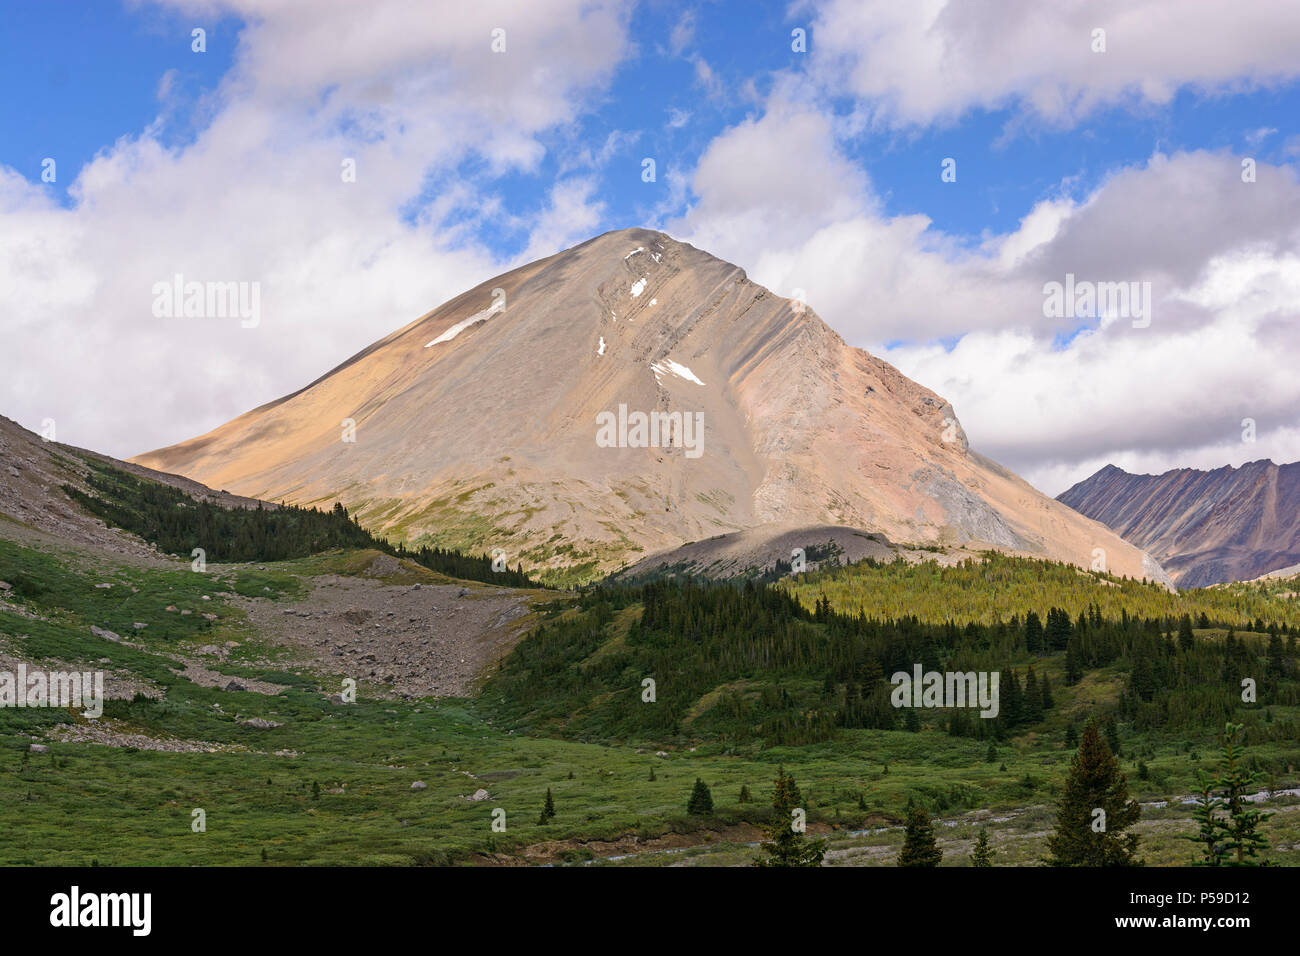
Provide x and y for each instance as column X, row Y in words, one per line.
column 259, row 197
column 1222, row 257
column 932, row 60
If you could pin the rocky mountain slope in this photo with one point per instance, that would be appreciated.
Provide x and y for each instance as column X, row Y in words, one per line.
column 1205, row 527
column 509, row 418
column 33, row 472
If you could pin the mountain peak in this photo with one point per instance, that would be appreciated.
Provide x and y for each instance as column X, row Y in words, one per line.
column 627, row 395
column 1206, row 527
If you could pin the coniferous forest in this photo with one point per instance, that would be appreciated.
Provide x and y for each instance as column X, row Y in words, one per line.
column 177, row 524
column 751, row 664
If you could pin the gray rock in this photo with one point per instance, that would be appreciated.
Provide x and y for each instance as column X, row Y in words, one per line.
column 235, row 685
column 260, row 723
column 38, row 748
column 419, row 785
column 479, row 795
column 105, row 634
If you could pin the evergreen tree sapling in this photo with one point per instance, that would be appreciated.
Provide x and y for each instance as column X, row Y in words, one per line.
column 1082, row 836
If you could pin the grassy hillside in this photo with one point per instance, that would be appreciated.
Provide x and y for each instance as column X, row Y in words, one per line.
column 999, row 586
column 333, row 784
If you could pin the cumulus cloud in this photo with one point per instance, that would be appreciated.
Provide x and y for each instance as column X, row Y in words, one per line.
column 933, row 60
column 260, row 196
column 1053, row 396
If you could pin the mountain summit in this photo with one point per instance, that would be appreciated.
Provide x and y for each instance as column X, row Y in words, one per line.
column 1207, row 527
column 625, row 396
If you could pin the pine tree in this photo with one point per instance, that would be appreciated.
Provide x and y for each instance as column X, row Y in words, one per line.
column 1033, row 633
column 548, row 809
column 1033, row 705
column 785, row 845
column 1073, row 664
column 701, row 802
column 744, row 794
column 1112, row 736
column 992, row 753
column 1210, row 830
column 1095, row 782
column 982, row 855
column 1185, row 639
column 1242, row 839
column 919, row 848
column 1276, row 663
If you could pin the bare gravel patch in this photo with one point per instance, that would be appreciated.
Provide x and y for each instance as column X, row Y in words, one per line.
column 417, row 640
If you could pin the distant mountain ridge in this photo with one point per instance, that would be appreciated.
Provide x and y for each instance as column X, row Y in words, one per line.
column 1204, row 527
column 513, row 417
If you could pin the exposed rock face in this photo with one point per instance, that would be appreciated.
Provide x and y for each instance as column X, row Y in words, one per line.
column 1205, row 527
column 479, row 426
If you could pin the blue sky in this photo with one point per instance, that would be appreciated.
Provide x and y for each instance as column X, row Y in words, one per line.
column 90, row 73
column 817, row 172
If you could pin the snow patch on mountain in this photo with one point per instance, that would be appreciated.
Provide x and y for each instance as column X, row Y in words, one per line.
column 669, row 367
column 463, row 324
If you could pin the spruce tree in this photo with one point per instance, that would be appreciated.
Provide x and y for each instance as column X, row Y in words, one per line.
column 1185, row 640
column 1095, row 782
column 919, row 848
column 1033, row 633
column 1033, row 699
column 1073, row 664
column 982, row 855
column 785, row 845
column 1242, row 839
column 548, row 809
column 1112, row 736
column 1210, row 829
column 744, row 793
column 701, row 802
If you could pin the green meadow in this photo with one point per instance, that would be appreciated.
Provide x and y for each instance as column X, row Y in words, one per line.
column 333, row 784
